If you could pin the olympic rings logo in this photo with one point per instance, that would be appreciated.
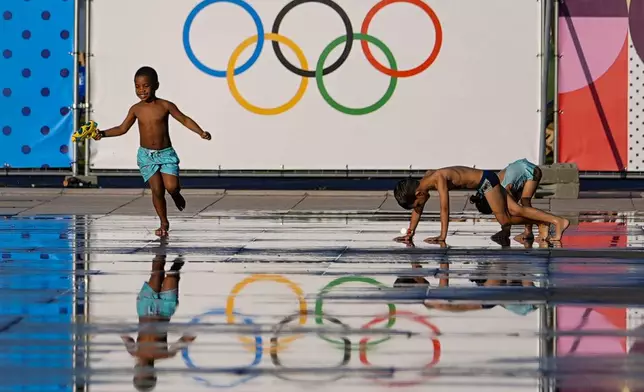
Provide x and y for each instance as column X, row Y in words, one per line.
column 303, row 70
column 278, row 342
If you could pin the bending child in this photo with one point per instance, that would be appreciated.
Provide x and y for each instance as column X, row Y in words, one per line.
column 520, row 179
column 413, row 195
column 495, row 276
column 156, row 158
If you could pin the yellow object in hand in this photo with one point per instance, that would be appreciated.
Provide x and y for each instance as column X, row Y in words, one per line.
column 88, row 130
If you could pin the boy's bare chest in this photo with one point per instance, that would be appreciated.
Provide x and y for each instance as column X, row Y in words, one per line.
column 457, row 184
column 152, row 115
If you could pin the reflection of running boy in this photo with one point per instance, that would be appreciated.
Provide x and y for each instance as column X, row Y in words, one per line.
column 156, row 303
column 413, row 195
column 157, row 160
column 520, row 179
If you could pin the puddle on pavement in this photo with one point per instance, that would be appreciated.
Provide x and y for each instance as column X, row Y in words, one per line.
column 278, row 303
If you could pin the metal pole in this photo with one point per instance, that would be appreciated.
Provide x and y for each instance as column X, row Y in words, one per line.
column 88, row 62
column 547, row 342
column 75, row 105
column 553, row 345
column 545, row 63
column 74, row 326
column 555, row 39
column 86, row 280
column 543, row 382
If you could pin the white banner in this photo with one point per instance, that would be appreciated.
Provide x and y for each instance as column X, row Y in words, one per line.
column 465, row 90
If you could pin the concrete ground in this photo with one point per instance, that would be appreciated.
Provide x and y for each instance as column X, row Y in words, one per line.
column 35, row 201
column 314, row 274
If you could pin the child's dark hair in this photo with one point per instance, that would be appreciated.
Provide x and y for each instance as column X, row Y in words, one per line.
column 145, row 384
column 148, row 72
column 408, row 281
column 481, row 203
column 145, row 378
column 405, row 193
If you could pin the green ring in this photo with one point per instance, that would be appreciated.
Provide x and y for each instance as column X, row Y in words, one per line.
column 333, row 103
column 319, row 319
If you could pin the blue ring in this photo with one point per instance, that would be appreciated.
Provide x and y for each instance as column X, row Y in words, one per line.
column 215, row 72
column 259, row 352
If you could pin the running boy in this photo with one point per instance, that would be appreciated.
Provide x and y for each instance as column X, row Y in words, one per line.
column 520, row 179
column 156, row 158
column 413, row 195
column 156, row 303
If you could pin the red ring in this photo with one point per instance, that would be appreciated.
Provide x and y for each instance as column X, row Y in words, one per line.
column 406, row 72
column 417, row 318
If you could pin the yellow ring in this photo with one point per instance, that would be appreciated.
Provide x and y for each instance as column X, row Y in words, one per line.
column 249, row 343
column 230, row 75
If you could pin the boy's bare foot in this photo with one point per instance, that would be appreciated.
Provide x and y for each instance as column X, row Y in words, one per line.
column 179, row 201
column 525, row 236
column 560, row 226
column 501, row 240
column 502, row 237
column 163, row 230
column 544, row 232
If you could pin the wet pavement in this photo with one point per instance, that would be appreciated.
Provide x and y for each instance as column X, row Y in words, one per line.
column 276, row 298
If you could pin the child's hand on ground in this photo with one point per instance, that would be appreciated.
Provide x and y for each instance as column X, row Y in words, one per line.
column 206, row 136
column 405, row 239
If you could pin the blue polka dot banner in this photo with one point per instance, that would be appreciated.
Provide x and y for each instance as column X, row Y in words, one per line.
column 38, row 303
column 36, row 83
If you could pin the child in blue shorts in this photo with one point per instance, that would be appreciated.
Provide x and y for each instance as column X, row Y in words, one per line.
column 520, row 179
column 156, row 303
column 412, row 194
column 156, row 158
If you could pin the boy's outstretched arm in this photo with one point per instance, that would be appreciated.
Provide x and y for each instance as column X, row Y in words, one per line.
column 416, row 213
column 121, row 129
column 443, row 195
column 183, row 341
column 186, row 121
column 130, row 345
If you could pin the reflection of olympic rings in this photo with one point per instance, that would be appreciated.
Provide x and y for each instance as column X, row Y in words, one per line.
column 346, row 279
column 279, row 341
column 412, row 316
column 230, row 305
column 185, row 353
column 345, row 358
column 320, row 71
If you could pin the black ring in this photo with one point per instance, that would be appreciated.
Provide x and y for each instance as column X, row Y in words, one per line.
column 346, row 353
column 347, row 46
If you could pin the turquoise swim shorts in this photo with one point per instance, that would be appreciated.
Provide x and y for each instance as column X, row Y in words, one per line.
column 150, row 303
column 520, row 309
column 517, row 173
column 151, row 161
